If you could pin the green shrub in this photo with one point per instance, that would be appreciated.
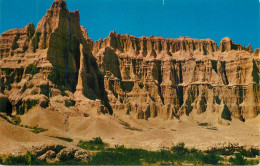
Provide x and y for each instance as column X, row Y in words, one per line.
column 238, row 160
column 180, row 149
column 27, row 159
column 37, row 129
column 203, row 124
column 94, row 144
column 211, row 159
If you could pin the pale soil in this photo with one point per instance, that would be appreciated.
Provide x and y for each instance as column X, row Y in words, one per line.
column 155, row 133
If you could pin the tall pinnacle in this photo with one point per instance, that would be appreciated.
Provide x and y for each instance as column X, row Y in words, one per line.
column 59, row 3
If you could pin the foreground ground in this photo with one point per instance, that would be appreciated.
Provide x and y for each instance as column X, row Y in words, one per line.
column 18, row 134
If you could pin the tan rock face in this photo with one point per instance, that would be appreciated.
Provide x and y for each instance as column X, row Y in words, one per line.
column 150, row 77
column 15, row 41
column 146, row 77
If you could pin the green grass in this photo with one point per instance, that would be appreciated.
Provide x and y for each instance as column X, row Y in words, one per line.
column 64, row 138
column 28, row 159
column 119, row 155
column 94, row 144
column 203, row 124
column 232, row 150
column 177, row 155
column 35, row 129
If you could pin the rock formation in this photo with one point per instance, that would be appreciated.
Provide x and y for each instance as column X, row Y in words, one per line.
column 57, row 66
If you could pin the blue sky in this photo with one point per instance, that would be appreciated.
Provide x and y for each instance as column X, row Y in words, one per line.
column 214, row 19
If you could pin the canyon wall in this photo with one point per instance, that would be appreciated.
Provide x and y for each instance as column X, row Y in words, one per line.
column 152, row 76
column 57, row 66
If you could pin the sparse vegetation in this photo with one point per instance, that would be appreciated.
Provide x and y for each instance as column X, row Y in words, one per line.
column 128, row 126
column 28, row 159
column 231, row 150
column 119, row 155
column 177, row 155
column 238, row 159
column 94, row 144
column 35, row 129
column 64, row 138
column 203, row 124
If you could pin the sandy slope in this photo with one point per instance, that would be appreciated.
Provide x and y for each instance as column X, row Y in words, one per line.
column 150, row 134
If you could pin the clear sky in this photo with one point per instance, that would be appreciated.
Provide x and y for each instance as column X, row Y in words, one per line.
column 214, row 19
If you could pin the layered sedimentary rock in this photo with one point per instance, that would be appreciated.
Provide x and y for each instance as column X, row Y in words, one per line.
column 58, row 67
column 43, row 65
column 152, row 76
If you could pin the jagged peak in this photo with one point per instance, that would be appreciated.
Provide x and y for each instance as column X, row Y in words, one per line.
column 113, row 33
column 226, row 39
column 59, row 3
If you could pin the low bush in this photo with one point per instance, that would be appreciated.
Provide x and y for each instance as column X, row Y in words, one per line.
column 27, row 159
column 94, row 144
column 38, row 130
column 238, row 160
column 177, row 155
column 180, row 149
column 64, row 139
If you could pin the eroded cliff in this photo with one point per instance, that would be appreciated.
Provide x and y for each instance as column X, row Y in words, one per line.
column 152, row 76
column 57, row 66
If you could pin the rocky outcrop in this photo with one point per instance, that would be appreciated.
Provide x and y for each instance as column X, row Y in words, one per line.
column 227, row 44
column 150, row 77
column 58, row 67
column 15, row 41
column 57, row 153
column 50, row 64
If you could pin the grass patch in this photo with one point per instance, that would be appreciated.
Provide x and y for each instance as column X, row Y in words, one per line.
column 94, row 144
column 203, row 124
column 119, row 155
column 63, row 138
column 232, row 150
column 35, row 129
column 177, row 155
column 128, row 126
column 238, row 159
column 28, row 159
